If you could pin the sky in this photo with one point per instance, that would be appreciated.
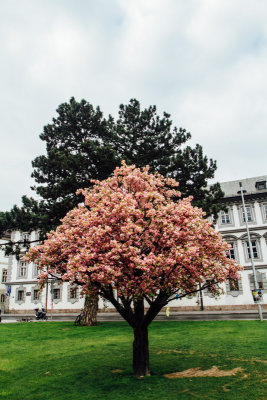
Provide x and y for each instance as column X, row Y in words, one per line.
column 202, row 61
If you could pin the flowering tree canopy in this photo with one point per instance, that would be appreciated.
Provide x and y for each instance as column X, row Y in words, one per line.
column 134, row 233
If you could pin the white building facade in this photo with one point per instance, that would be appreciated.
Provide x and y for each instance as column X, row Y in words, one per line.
column 24, row 292
column 3, row 273
column 231, row 224
column 21, row 278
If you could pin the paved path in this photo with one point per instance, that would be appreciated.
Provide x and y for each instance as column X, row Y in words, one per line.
column 174, row 316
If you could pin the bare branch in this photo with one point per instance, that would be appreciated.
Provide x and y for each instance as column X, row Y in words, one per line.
column 148, row 299
column 194, row 291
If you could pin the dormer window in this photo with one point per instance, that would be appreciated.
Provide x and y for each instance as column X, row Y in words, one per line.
column 261, row 185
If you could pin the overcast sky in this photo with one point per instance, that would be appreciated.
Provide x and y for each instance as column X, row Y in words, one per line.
column 203, row 61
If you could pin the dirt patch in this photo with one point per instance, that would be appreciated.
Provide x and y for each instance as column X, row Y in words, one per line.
column 256, row 360
column 198, row 373
column 175, row 351
column 116, row 371
column 249, row 360
column 170, row 351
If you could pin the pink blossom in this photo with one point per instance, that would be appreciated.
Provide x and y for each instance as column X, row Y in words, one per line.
column 132, row 233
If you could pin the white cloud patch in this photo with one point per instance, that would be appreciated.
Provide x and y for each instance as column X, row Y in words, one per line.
column 202, row 61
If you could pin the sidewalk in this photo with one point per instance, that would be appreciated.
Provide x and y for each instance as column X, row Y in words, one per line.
column 174, row 316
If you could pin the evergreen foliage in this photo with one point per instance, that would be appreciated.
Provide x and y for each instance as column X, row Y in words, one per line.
column 82, row 145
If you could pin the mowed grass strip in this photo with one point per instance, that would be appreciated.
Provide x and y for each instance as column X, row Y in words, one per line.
column 56, row 361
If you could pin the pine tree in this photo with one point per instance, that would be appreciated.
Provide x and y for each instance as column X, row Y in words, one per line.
column 143, row 138
column 82, row 145
column 78, row 149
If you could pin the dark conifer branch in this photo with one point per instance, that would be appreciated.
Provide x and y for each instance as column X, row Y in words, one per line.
column 82, row 145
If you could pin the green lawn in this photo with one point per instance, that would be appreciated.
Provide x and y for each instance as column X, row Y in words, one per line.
column 56, row 361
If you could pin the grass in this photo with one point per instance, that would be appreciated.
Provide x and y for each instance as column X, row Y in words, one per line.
column 56, row 361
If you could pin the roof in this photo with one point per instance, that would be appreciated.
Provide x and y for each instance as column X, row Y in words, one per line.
column 249, row 184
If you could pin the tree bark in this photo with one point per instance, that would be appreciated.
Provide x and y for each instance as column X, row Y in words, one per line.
column 90, row 310
column 141, row 352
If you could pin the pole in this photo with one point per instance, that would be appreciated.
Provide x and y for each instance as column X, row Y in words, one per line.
column 250, row 249
column 52, row 298
column 201, row 299
column 46, row 296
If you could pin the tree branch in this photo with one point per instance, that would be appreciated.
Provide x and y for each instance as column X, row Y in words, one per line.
column 155, row 308
column 148, row 299
column 195, row 291
column 127, row 314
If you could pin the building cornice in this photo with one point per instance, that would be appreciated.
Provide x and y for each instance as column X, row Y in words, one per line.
column 247, row 268
column 20, row 282
column 248, row 196
column 243, row 230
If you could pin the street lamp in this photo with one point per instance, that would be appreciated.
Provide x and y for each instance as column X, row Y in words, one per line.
column 250, row 247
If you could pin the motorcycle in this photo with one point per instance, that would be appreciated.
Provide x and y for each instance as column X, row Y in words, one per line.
column 40, row 314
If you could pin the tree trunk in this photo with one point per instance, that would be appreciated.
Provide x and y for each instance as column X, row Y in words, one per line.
column 140, row 352
column 90, row 310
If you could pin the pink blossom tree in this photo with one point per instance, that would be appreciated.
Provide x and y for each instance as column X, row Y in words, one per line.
column 134, row 233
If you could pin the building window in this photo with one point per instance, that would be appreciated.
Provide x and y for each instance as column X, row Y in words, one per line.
column 56, row 294
column 25, row 236
column 73, row 293
column 208, row 290
column 261, row 281
column 20, row 295
column 234, row 287
column 225, row 217
column 231, row 252
column 34, row 270
column 249, row 214
column 255, row 250
column 22, row 269
column 4, row 275
column 36, row 294
column 3, row 297
column 233, row 284
column 261, row 185
column 260, row 285
column 264, row 208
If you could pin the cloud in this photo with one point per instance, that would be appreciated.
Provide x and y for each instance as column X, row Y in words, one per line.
column 202, row 61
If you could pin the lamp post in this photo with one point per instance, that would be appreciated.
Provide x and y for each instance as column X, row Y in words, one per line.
column 201, row 299
column 250, row 247
column 46, row 296
column 52, row 282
